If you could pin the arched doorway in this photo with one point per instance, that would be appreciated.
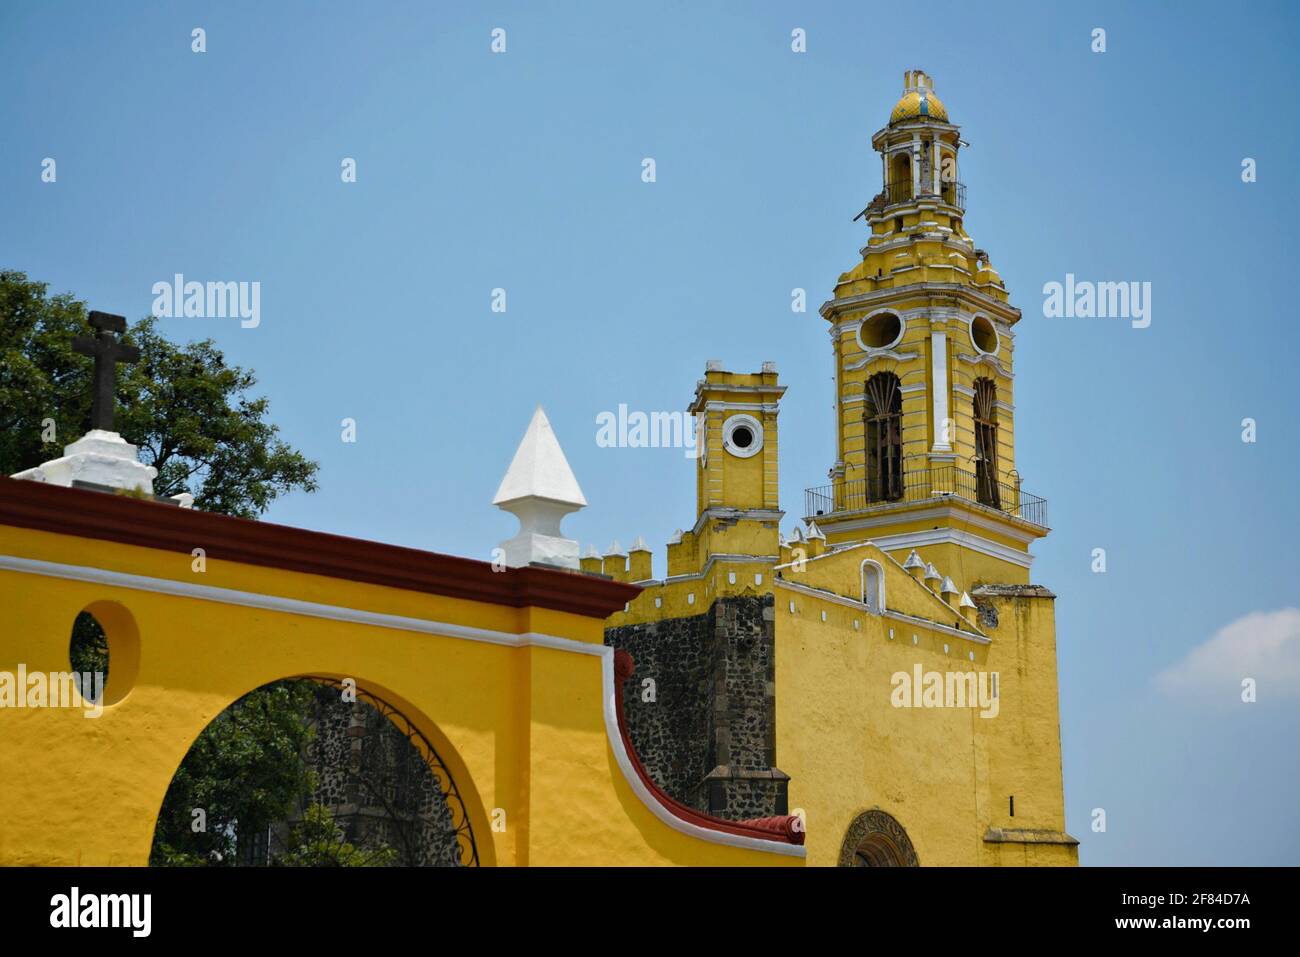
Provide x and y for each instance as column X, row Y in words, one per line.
column 313, row 771
column 876, row 839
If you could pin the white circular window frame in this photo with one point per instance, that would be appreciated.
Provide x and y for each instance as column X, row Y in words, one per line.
column 755, row 428
column 902, row 330
column 997, row 336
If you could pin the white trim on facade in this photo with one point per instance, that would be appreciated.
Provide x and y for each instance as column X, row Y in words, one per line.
column 293, row 606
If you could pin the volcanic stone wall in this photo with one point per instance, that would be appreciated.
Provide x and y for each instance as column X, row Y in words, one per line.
column 705, row 728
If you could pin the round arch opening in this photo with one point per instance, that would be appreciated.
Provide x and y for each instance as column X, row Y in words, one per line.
column 314, row 771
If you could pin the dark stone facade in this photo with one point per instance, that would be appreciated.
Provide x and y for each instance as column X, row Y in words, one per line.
column 377, row 784
column 709, row 736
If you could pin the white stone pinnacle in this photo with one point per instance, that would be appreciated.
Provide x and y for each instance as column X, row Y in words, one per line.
column 639, row 545
column 539, row 489
column 539, row 469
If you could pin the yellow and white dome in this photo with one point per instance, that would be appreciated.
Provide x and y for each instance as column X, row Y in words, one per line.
column 918, row 100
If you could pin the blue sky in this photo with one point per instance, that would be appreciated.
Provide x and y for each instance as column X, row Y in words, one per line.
column 522, row 171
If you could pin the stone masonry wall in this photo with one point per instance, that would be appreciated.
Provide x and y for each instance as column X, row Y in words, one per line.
column 708, row 738
column 671, row 732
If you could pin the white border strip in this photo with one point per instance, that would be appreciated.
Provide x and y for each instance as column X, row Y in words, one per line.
column 293, row 606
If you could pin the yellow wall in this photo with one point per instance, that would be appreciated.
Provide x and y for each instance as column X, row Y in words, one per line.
column 944, row 773
column 520, row 728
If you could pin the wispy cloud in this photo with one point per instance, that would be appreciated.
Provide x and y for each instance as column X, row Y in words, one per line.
column 1264, row 646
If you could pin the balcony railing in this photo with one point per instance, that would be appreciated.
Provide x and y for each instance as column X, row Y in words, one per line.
column 921, row 483
column 900, row 191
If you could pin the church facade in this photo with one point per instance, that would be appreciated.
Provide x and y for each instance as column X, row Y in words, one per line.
column 886, row 671
column 877, row 687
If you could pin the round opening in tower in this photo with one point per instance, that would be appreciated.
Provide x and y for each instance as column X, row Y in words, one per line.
column 880, row 331
column 983, row 335
column 742, row 435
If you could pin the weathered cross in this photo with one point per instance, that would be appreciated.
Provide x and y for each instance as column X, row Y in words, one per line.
column 107, row 353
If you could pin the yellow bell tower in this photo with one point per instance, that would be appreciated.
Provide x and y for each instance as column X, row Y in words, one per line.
column 922, row 333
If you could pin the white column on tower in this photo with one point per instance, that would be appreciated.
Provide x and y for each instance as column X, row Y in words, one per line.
column 935, row 162
column 916, row 165
column 939, row 379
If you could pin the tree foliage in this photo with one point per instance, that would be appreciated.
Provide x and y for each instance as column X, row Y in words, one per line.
column 192, row 415
column 244, row 772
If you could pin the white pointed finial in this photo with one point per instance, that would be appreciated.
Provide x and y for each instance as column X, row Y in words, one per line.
column 932, row 573
column 966, row 602
column 591, row 552
column 615, row 549
column 815, row 532
column 677, row 538
column 947, row 588
column 797, row 535
column 913, row 562
column 639, row 545
column 539, row 489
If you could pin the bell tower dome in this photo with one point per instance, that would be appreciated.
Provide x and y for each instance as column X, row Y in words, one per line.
column 922, row 335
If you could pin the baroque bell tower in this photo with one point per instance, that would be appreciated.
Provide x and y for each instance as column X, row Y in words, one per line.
column 923, row 340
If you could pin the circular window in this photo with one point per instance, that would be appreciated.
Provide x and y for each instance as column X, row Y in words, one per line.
column 105, row 632
column 742, row 436
column 880, row 331
column 983, row 335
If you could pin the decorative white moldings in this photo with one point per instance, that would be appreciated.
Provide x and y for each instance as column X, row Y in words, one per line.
column 987, row 360
column 440, row 629
column 739, row 421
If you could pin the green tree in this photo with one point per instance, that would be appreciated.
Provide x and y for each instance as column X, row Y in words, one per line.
column 191, row 414
column 244, row 773
column 317, row 841
column 195, row 421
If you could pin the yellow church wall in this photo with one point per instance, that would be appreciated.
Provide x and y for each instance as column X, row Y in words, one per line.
column 946, row 774
column 847, row 750
column 522, row 729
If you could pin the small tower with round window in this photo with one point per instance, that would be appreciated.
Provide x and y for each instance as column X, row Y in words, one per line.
column 737, row 506
column 922, row 335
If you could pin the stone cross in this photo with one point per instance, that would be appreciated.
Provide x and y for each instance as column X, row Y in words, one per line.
column 107, row 353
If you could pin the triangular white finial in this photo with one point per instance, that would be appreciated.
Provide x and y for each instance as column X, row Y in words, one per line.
column 676, row 538
column 947, row 588
column 615, row 549
column 966, row 602
column 539, row 489
column 815, row 532
column 539, row 469
column 931, row 573
column 913, row 561
column 639, row 545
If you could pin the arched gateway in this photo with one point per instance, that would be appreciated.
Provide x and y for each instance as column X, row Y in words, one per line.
column 504, row 675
